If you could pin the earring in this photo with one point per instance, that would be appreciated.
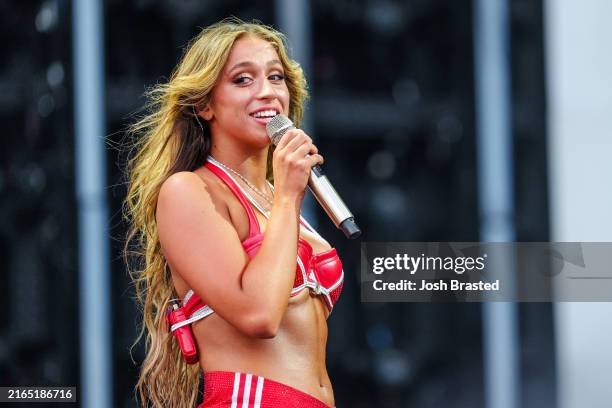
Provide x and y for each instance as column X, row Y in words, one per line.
column 197, row 117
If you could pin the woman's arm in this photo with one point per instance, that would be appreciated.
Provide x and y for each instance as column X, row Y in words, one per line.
column 202, row 245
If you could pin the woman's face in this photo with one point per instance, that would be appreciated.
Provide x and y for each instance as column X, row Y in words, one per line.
column 250, row 91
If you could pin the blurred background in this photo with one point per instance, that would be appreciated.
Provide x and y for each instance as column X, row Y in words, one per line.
column 440, row 120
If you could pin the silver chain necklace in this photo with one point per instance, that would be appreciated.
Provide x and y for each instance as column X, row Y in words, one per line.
column 247, row 182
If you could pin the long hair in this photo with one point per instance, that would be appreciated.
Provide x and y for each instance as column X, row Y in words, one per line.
column 166, row 140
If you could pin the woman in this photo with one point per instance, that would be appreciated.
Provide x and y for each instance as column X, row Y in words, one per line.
column 256, row 281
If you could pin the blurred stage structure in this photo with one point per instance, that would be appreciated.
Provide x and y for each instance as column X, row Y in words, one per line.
column 440, row 120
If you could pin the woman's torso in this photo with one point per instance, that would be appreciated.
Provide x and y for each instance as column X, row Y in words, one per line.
column 296, row 355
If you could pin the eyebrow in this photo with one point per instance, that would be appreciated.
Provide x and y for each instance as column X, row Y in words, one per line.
column 249, row 63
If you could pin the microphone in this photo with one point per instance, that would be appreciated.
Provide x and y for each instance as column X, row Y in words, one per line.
column 319, row 185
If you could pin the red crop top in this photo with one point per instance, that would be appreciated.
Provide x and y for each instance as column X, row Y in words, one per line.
column 322, row 273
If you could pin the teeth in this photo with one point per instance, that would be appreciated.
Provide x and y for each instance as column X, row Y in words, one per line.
column 265, row 114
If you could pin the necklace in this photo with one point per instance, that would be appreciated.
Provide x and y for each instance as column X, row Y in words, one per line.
column 246, row 181
column 252, row 200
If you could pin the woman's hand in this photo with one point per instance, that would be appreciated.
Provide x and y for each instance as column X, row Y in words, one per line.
column 294, row 156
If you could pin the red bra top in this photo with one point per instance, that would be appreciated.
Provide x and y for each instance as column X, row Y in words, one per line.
column 321, row 273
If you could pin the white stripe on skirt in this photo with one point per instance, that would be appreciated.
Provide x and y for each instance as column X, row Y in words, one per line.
column 259, row 392
column 247, row 391
column 235, row 392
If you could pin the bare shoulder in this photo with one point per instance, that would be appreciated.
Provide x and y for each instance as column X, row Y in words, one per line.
column 187, row 205
column 185, row 189
column 182, row 183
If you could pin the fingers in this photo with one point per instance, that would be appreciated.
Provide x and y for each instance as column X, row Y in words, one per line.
column 293, row 139
column 296, row 154
column 287, row 137
column 294, row 146
column 303, row 150
column 315, row 159
column 306, row 159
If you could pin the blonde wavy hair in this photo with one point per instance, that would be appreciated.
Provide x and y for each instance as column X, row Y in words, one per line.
column 165, row 140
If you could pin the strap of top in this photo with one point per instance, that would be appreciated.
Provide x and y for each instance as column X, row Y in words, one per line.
column 219, row 172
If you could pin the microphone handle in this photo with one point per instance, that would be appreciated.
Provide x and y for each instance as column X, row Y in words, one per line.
column 331, row 202
column 322, row 189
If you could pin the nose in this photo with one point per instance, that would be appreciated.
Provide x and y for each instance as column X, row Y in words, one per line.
column 266, row 90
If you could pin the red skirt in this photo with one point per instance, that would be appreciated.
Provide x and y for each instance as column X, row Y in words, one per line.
column 224, row 389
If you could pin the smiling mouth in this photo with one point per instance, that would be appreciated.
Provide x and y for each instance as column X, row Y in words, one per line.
column 266, row 114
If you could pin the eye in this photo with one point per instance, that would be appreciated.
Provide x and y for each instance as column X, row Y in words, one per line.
column 241, row 80
column 276, row 77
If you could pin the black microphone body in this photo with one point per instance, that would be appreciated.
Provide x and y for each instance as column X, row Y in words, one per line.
column 319, row 184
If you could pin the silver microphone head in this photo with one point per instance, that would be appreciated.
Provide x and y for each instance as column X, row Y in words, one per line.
column 277, row 127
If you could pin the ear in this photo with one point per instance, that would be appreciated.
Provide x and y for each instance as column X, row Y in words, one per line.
column 206, row 112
